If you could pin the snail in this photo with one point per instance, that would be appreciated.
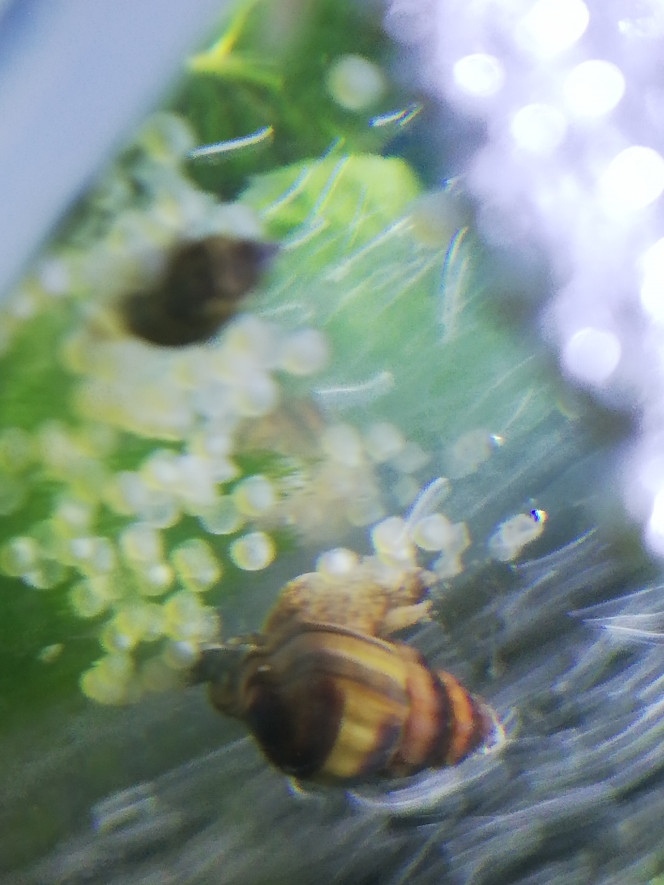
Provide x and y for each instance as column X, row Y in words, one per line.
column 201, row 288
column 328, row 697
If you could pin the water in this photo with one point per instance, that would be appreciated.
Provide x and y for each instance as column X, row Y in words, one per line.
column 156, row 499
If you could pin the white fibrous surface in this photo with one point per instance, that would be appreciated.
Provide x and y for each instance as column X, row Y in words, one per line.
column 569, row 93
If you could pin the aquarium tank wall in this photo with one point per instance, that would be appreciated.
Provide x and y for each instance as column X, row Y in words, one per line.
column 330, row 358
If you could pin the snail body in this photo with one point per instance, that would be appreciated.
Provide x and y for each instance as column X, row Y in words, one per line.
column 329, row 696
column 370, row 603
column 333, row 705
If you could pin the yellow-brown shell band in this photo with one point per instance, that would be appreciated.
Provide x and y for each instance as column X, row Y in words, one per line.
column 468, row 726
column 327, row 702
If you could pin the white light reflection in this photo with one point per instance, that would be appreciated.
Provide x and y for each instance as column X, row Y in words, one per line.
column 592, row 355
column 569, row 95
column 538, row 128
column 593, row 88
column 479, row 74
column 551, row 26
column 652, row 287
column 632, row 180
column 233, row 144
column 654, row 535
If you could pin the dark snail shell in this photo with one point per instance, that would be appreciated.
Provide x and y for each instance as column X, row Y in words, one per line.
column 331, row 704
column 201, row 288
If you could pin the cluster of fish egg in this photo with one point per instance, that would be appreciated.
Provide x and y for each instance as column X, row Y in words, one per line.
column 399, row 543
column 150, row 499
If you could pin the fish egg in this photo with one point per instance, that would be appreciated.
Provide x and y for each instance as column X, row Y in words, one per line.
column 196, row 565
column 383, row 441
column 18, row 555
column 254, row 495
column 222, row 517
column 253, row 551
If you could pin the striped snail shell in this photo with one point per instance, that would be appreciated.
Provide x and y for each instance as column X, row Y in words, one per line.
column 331, row 704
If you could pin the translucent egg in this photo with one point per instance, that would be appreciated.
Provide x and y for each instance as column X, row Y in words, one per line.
column 214, row 401
column 222, row 517
column 211, row 444
column 432, row 532
column 458, row 538
column 390, row 540
column 19, row 555
column 161, row 510
column 92, row 554
column 180, row 655
column 154, row 578
column 383, row 441
column 126, row 493
column 46, row 574
column 257, row 395
column 253, row 338
column 343, row 444
column 223, row 470
column 142, row 621
column 182, row 616
column 447, row 566
column 410, row 459
column 512, row 535
column 354, row 82
column 254, row 495
column 107, row 680
column 363, row 509
column 90, row 597
column 189, row 623
column 114, row 639
column 391, row 532
column 73, row 515
column 195, row 565
column 405, row 489
column 56, row 446
column 141, row 543
column 160, row 470
column 253, row 551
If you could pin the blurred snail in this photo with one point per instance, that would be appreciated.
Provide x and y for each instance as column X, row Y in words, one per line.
column 333, row 703
column 200, row 289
